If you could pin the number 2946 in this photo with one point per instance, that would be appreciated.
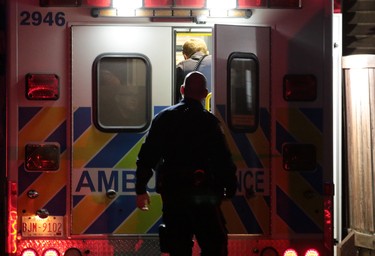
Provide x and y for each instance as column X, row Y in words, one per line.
column 37, row 18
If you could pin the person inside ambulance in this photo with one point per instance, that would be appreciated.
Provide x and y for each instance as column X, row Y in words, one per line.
column 196, row 57
column 187, row 149
column 119, row 105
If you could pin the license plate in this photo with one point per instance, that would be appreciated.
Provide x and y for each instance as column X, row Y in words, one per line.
column 35, row 226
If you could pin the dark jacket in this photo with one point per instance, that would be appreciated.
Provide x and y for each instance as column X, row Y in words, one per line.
column 185, row 67
column 185, row 137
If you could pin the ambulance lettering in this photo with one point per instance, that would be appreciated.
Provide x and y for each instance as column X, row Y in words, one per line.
column 101, row 180
column 252, row 182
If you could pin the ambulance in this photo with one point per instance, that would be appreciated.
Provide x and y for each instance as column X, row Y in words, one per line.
column 85, row 78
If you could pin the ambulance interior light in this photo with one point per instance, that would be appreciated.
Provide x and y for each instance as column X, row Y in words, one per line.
column 126, row 8
column 221, row 4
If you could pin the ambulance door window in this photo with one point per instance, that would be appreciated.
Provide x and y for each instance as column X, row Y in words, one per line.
column 243, row 88
column 182, row 35
column 122, row 89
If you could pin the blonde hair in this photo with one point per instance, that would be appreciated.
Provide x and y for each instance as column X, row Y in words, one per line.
column 194, row 45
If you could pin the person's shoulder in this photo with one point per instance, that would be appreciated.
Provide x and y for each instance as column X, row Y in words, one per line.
column 211, row 116
column 170, row 109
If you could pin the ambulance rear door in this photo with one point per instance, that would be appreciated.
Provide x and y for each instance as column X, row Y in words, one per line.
column 121, row 77
column 242, row 103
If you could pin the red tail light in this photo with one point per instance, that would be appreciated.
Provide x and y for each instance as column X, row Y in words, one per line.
column 42, row 86
column 328, row 216
column 12, row 218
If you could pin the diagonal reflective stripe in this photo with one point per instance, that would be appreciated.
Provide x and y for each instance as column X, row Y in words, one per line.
column 293, row 120
column 261, row 211
column 302, row 194
column 261, row 145
column 139, row 222
column 48, row 184
column 293, row 215
column 87, row 146
column 40, row 127
column 129, row 160
column 87, row 210
column 234, row 225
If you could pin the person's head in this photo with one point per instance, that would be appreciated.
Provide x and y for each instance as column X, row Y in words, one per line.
column 194, row 86
column 192, row 46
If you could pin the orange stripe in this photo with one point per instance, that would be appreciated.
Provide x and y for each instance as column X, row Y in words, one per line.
column 234, row 223
column 47, row 185
column 298, row 189
column 293, row 120
column 140, row 222
column 88, row 210
column 261, row 146
column 40, row 126
column 88, row 145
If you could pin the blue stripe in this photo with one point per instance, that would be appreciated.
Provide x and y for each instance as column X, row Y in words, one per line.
column 25, row 179
column 282, row 136
column 25, row 114
column 265, row 123
column 247, row 151
column 314, row 178
column 76, row 199
column 155, row 228
column 246, row 215
column 59, row 135
column 112, row 153
column 315, row 115
column 57, row 205
column 294, row 217
column 113, row 216
column 82, row 121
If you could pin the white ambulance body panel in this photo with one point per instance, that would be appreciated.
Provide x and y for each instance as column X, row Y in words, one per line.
column 88, row 42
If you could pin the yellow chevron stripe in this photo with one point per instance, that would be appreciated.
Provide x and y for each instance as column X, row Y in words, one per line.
column 258, row 205
column 87, row 210
column 297, row 188
column 139, row 222
column 261, row 146
column 130, row 159
column 40, row 126
column 236, row 155
column 88, row 145
column 44, row 187
column 234, row 223
column 280, row 228
column 293, row 120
